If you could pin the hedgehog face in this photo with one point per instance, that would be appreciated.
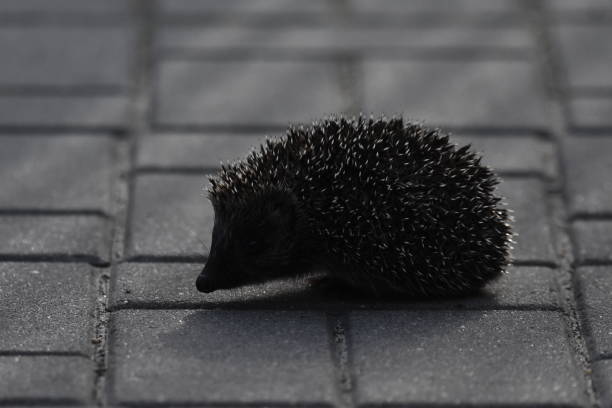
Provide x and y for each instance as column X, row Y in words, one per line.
column 252, row 241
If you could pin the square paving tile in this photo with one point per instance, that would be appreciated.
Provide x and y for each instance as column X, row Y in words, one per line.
column 588, row 168
column 586, row 58
column 46, row 307
column 602, row 381
column 221, row 357
column 592, row 240
column 463, row 358
column 107, row 7
column 30, row 380
column 207, row 7
column 595, row 292
column 475, row 92
column 590, row 112
column 81, row 237
column 171, row 216
column 527, row 199
column 50, row 111
column 513, row 155
column 48, row 172
column 347, row 38
column 65, row 56
column 247, row 92
column 439, row 8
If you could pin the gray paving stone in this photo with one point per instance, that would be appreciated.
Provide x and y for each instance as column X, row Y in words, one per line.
column 47, row 110
column 595, row 283
column 572, row 6
column 338, row 38
column 590, row 112
column 247, row 92
column 602, row 382
column 525, row 287
column 527, row 199
column 588, row 168
column 587, row 59
column 137, row 285
column 47, row 236
column 42, row 172
column 171, row 216
column 203, row 151
column 65, row 6
column 225, row 357
column 46, row 307
column 444, row 7
column 46, row 379
column 516, row 155
column 463, row 358
column 593, row 240
column 189, row 7
column 65, row 56
column 475, row 92
column 418, row 7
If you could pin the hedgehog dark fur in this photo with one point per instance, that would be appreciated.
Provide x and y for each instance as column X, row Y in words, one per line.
column 382, row 205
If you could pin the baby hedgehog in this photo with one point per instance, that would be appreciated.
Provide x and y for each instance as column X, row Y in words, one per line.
column 383, row 206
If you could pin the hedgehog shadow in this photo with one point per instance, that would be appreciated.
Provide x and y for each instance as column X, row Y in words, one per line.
column 205, row 333
column 262, row 310
column 305, row 295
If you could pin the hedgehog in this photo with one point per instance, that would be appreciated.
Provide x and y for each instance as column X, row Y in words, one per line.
column 383, row 206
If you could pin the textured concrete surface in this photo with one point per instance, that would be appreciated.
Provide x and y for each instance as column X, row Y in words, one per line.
column 112, row 114
column 84, row 237
column 589, row 185
column 461, row 357
column 514, row 156
column 170, row 213
column 199, row 152
column 596, row 289
column 579, row 42
column 340, row 39
column 65, row 56
column 591, row 113
column 50, row 111
column 593, row 239
column 46, row 307
column 53, row 380
column 526, row 197
column 241, row 92
column 459, row 93
column 221, row 357
column 29, row 164
column 603, row 381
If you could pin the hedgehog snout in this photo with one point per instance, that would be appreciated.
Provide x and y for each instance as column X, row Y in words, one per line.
column 215, row 275
column 206, row 281
column 205, row 284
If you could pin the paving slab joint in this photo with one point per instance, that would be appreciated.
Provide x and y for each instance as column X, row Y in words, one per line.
column 338, row 327
column 548, row 59
column 99, row 339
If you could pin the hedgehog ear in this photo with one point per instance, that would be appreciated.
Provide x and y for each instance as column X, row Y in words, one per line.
column 280, row 207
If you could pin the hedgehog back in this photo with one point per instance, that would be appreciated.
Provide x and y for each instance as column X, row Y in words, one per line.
column 395, row 206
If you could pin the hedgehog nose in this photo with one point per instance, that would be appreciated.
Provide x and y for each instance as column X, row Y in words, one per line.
column 205, row 284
